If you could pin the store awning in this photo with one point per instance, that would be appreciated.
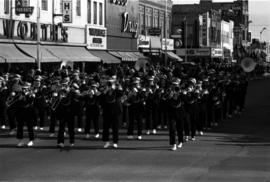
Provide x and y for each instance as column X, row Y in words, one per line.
column 72, row 54
column 10, row 54
column 172, row 55
column 106, row 57
column 125, row 56
column 31, row 50
column 140, row 55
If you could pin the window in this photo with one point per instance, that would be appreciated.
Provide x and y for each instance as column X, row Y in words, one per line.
column 95, row 13
column 89, row 11
column 100, row 13
column 6, row 6
column 78, row 8
column 44, row 5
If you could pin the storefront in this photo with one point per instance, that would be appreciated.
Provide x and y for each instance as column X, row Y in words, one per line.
column 195, row 54
column 122, row 30
column 58, row 43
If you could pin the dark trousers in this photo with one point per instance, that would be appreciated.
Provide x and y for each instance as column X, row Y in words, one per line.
column 25, row 116
column 3, row 115
column 11, row 112
column 192, row 119
column 202, row 120
column 163, row 114
column 79, row 115
column 225, row 108
column 125, row 116
column 135, row 114
column 66, row 119
column 218, row 114
column 209, row 115
column 149, row 118
column 40, row 114
column 110, row 121
column 176, row 124
column 92, row 115
column 53, row 120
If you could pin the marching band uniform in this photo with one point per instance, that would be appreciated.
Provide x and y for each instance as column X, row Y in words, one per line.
column 65, row 116
column 25, row 114
column 149, row 106
column 92, row 110
column 40, row 103
column 175, row 115
column 3, row 97
column 135, row 109
column 54, row 106
column 77, row 105
column 15, row 91
column 111, row 112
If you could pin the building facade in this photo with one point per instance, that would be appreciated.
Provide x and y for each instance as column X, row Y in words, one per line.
column 154, row 25
column 185, row 18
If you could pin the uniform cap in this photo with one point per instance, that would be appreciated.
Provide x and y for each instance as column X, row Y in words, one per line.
column 93, row 84
column 151, row 78
column 75, row 85
column 176, row 81
column 17, row 77
column 65, row 81
column 192, row 80
column 38, row 78
column 26, row 85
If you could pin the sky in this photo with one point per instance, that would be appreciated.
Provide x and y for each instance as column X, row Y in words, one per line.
column 259, row 14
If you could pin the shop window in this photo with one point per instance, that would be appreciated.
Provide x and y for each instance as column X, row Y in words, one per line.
column 95, row 13
column 44, row 5
column 78, row 7
column 89, row 11
column 6, row 6
column 100, row 13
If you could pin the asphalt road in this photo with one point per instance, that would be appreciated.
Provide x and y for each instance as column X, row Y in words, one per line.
column 237, row 150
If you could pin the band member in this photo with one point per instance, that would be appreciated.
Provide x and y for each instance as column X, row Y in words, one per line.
column 76, row 105
column 192, row 111
column 54, row 106
column 91, row 98
column 65, row 114
column 111, row 112
column 175, row 115
column 40, row 103
column 11, row 103
column 135, row 109
column 3, row 97
column 25, row 114
column 149, row 106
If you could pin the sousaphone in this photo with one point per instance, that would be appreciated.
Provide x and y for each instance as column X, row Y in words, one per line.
column 248, row 64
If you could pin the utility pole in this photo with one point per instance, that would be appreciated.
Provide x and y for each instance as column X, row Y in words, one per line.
column 38, row 36
column 166, row 57
column 185, row 38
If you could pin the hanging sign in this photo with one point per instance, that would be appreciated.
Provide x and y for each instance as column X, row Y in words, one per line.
column 67, row 11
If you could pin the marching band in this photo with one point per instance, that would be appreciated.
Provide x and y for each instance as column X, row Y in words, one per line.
column 186, row 101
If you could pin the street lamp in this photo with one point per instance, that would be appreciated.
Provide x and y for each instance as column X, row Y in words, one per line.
column 166, row 58
column 264, row 28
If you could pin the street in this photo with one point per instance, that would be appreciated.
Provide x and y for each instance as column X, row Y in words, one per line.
column 237, row 150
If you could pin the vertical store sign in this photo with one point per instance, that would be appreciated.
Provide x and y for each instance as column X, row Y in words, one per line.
column 67, row 11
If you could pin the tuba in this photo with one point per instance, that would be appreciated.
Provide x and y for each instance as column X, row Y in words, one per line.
column 248, row 64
